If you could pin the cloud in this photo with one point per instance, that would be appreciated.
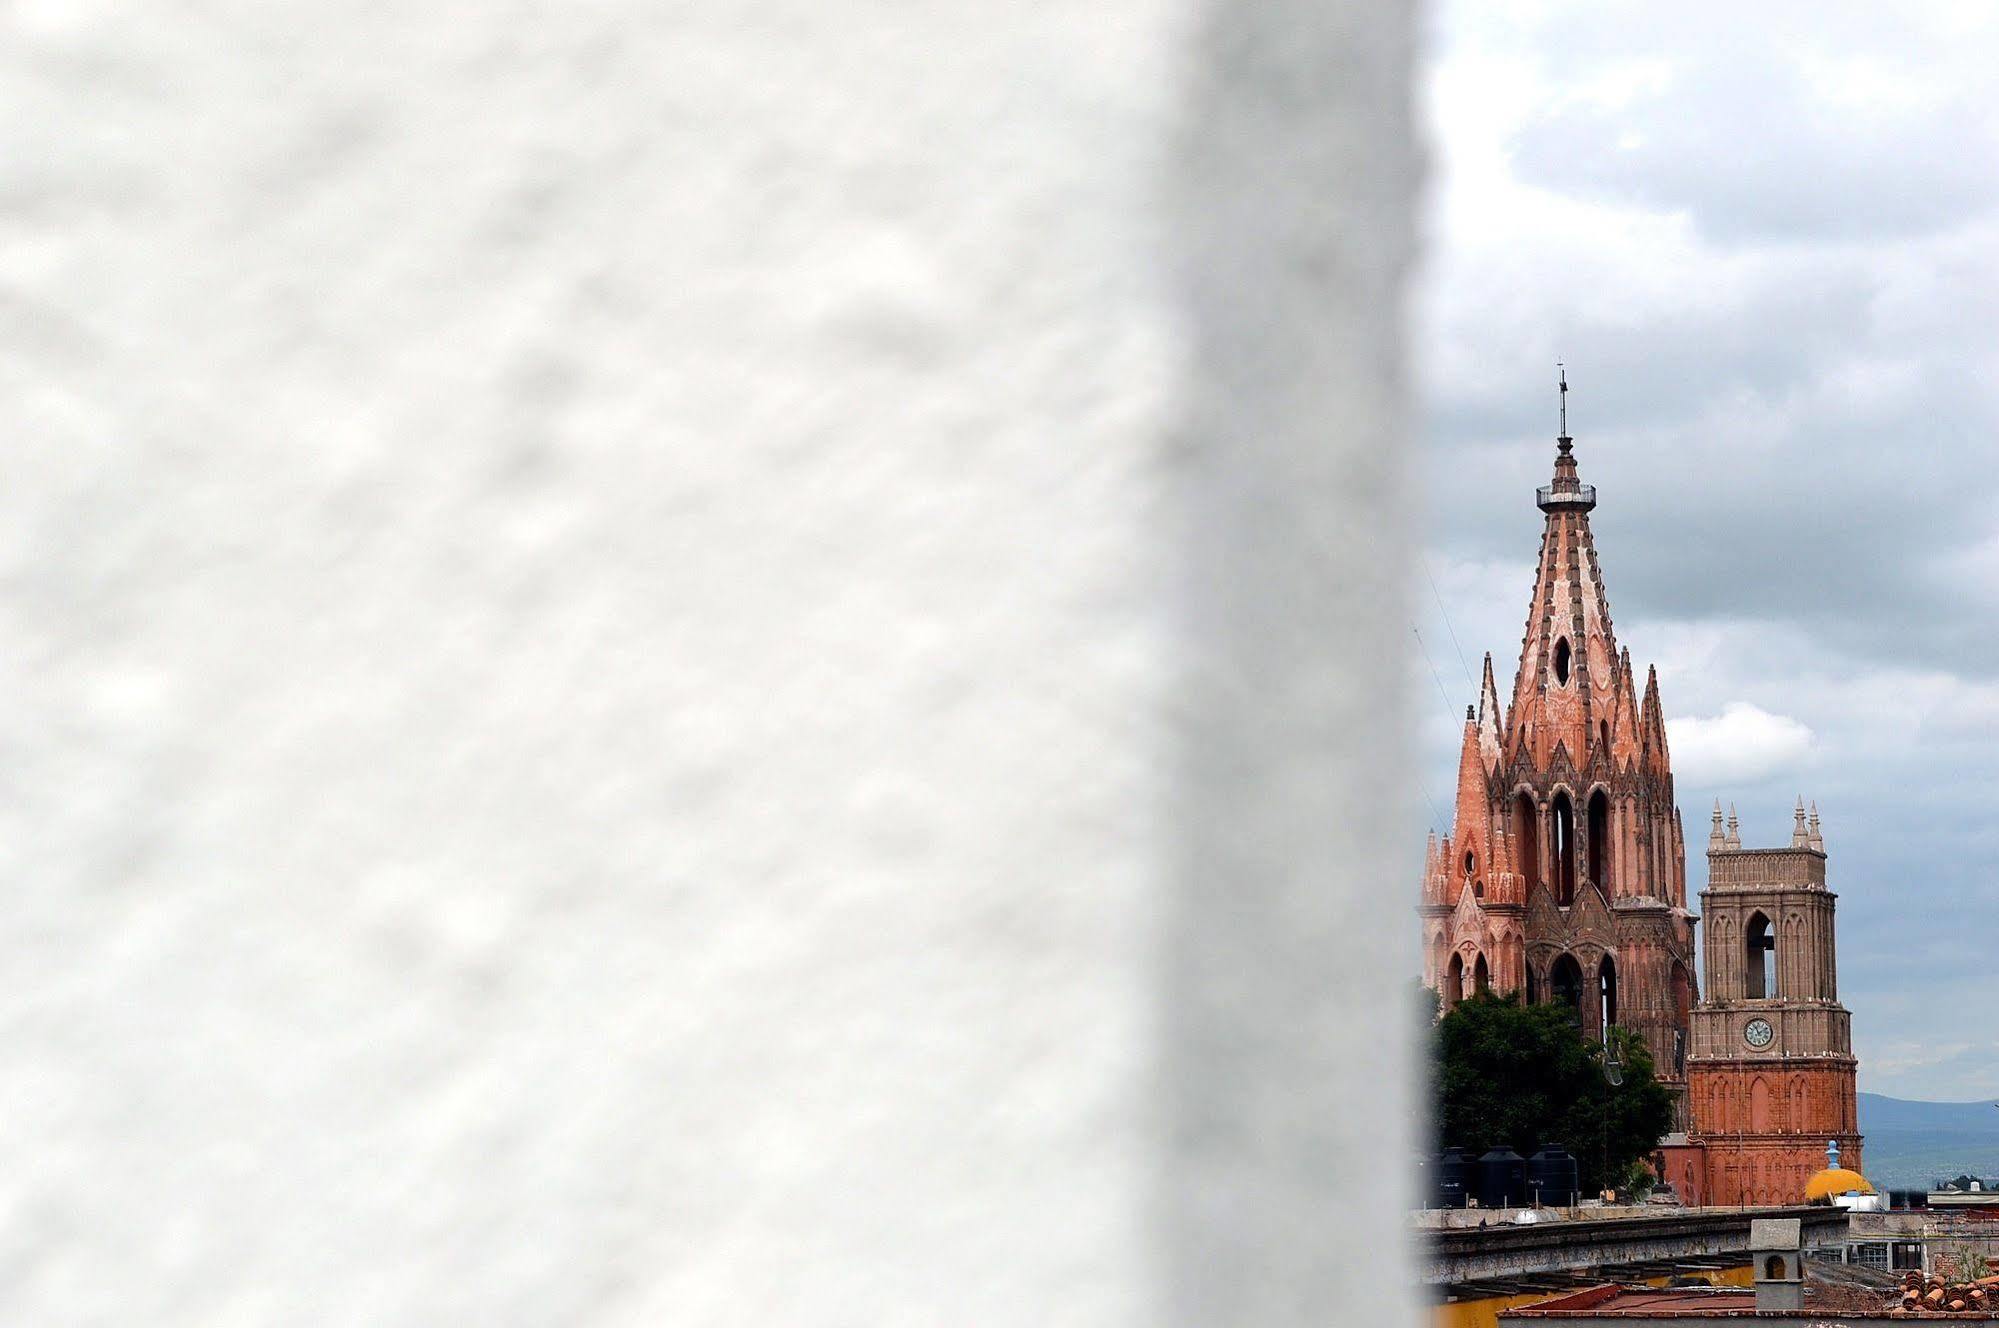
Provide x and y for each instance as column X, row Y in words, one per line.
column 1743, row 744
column 1771, row 264
column 1755, row 139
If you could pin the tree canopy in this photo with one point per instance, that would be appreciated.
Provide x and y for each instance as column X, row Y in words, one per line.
column 1524, row 1076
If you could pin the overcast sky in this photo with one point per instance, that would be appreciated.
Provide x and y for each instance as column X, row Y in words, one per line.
column 1765, row 240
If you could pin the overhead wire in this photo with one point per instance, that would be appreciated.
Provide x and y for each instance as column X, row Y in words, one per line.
column 1449, row 710
column 1446, row 615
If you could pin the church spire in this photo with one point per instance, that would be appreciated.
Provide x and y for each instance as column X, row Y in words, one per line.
column 1567, row 493
column 1489, row 718
column 1565, row 693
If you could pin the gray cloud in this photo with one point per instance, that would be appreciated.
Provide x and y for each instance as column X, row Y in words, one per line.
column 1767, row 243
column 1741, row 140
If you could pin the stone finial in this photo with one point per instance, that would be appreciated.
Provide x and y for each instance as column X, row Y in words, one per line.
column 1715, row 838
column 1818, row 840
column 1800, row 836
column 1734, row 828
column 1832, row 1155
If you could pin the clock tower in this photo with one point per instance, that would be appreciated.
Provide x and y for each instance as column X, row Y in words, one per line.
column 1770, row 1074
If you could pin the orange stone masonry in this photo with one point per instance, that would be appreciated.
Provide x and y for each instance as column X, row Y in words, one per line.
column 1564, row 874
column 1564, row 877
column 1771, row 1070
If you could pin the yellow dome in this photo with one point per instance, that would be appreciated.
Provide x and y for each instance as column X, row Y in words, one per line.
column 1835, row 1180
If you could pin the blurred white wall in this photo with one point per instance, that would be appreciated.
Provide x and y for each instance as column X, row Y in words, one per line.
column 702, row 663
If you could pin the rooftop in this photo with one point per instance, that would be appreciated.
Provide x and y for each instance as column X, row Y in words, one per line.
column 1850, row 1293
column 1621, row 1302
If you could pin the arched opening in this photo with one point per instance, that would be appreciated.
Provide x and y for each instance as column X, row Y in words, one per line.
column 1526, row 838
column 1773, row 1268
column 1759, row 970
column 1478, row 888
column 1599, row 839
column 1565, row 985
column 1563, row 818
column 1562, row 661
column 1481, row 977
column 1454, row 981
column 1603, row 737
column 1534, row 993
column 1759, row 1106
column 1606, row 995
column 1683, row 1004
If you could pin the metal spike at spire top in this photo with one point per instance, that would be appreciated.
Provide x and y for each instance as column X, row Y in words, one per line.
column 1563, row 384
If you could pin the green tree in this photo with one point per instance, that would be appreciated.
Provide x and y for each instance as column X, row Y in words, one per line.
column 1525, row 1076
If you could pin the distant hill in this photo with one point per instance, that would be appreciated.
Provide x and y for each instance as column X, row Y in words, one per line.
column 1910, row 1145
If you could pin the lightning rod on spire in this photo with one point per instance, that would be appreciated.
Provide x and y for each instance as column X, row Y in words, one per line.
column 1563, row 384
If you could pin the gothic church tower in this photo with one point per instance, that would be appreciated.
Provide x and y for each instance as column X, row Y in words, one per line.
column 1564, row 876
column 1771, row 1074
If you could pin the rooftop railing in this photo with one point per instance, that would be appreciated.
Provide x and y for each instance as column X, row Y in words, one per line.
column 1547, row 494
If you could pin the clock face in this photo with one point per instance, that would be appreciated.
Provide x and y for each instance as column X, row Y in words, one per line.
column 1758, row 1033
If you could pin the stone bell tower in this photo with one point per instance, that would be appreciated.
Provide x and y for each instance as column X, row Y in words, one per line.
column 1771, row 1068
column 1564, row 874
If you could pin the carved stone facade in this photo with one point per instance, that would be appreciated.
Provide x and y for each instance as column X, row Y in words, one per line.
column 1771, row 1070
column 1564, row 874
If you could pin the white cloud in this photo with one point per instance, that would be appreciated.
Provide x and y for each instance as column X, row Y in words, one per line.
column 1744, row 742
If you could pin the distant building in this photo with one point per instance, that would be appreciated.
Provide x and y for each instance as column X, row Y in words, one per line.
column 1770, row 1077
column 1564, row 875
column 1789, row 1290
column 1563, row 878
column 1966, row 1192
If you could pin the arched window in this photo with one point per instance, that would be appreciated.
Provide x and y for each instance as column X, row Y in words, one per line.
column 1481, row 977
column 1454, row 981
column 1599, row 839
column 1565, row 985
column 1683, row 1004
column 1562, row 661
column 1533, row 986
column 1759, row 970
column 1563, row 817
column 1526, row 838
column 1603, row 737
column 1773, row 1268
column 1606, row 995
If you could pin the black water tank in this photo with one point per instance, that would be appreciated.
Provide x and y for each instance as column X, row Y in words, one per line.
column 1502, row 1176
column 1455, row 1175
column 1552, row 1178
